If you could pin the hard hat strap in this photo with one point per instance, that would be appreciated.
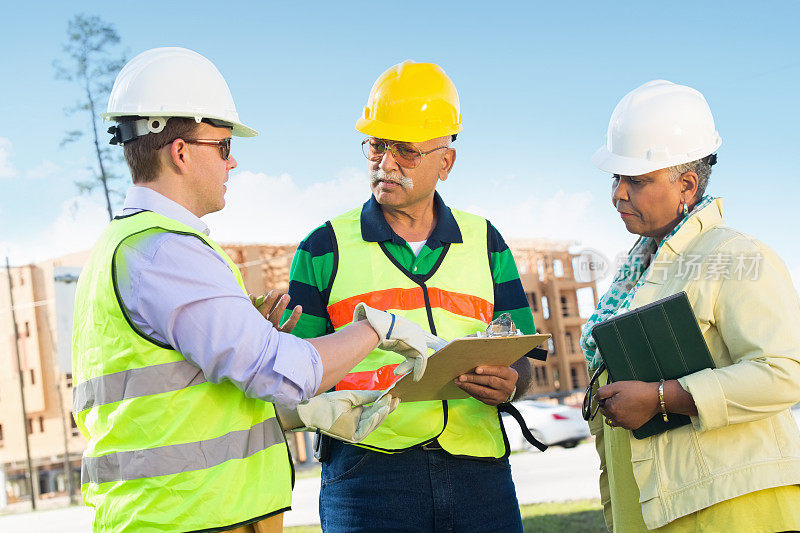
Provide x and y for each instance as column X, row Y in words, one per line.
column 130, row 130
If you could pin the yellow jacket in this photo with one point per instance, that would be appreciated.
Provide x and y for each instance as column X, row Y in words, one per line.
column 744, row 437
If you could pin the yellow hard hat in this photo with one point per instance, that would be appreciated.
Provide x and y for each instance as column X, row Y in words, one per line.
column 411, row 102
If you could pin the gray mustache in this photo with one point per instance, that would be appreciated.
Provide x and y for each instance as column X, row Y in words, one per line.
column 376, row 175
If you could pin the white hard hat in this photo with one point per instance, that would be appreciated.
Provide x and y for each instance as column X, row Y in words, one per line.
column 657, row 125
column 171, row 82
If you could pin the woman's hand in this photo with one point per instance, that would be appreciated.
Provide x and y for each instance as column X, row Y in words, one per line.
column 628, row 404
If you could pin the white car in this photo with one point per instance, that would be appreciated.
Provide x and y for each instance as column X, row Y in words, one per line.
column 551, row 424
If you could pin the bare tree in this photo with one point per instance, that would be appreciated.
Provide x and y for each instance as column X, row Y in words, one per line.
column 93, row 60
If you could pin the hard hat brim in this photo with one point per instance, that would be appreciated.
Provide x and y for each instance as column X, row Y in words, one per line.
column 395, row 132
column 629, row 166
column 624, row 166
column 238, row 129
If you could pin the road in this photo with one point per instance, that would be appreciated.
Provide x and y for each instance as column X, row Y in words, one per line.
column 555, row 475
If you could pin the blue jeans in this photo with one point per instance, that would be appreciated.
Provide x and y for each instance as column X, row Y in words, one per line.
column 415, row 491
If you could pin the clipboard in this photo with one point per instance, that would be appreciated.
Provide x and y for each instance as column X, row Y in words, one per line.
column 461, row 356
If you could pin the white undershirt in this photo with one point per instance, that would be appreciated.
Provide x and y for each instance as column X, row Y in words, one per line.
column 416, row 247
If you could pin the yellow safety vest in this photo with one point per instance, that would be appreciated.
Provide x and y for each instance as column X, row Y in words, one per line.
column 167, row 450
column 456, row 298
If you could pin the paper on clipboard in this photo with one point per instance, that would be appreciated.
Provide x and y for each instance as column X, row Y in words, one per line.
column 458, row 357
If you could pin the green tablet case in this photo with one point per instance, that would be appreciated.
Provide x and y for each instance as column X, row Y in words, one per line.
column 658, row 341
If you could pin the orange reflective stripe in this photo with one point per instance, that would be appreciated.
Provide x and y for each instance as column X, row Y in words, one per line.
column 380, row 379
column 458, row 303
column 461, row 304
column 341, row 312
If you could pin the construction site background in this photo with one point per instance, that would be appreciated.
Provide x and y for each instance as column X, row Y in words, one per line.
column 547, row 270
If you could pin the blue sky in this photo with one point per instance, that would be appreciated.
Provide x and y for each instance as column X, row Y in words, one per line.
column 537, row 83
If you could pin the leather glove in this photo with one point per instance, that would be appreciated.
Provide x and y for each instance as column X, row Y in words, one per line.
column 342, row 414
column 402, row 336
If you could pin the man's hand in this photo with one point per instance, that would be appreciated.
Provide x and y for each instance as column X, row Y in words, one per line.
column 402, row 336
column 492, row 385
column 628, row 404
column 272, row 305
column 342, row 414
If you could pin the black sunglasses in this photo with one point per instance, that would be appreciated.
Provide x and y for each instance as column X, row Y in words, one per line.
column 586, row 410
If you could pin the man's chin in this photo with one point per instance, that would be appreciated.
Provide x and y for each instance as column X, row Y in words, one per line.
column 385, row 197
column 217, row 207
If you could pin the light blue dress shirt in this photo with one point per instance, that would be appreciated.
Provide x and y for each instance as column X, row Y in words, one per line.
column 178, row 290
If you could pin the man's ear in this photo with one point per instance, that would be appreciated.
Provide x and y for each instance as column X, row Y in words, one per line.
column 178, row 156
column 448, row 160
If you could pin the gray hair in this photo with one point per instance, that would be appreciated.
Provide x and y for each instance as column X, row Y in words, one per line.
column 701, row 167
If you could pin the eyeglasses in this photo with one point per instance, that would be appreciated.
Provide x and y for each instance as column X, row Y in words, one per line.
column 586, row 410
column 223, row 144
column 405, row 155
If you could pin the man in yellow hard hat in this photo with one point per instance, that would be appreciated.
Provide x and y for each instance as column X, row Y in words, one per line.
column 175, row 370
column 431, row 466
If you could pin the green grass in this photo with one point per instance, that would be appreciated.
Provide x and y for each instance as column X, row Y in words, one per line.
column 303, row 529
column 584, row 516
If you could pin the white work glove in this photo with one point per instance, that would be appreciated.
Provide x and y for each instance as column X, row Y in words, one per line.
column 342, row 414
column 402, row 336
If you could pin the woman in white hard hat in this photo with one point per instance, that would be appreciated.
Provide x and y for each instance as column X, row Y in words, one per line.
column 737, row 465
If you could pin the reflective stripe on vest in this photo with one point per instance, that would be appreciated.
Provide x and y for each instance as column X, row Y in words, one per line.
column 341, row 312
column 379, row 379
column 178, row 458
column 166, row 448
column 136, row 382
column 455, row 299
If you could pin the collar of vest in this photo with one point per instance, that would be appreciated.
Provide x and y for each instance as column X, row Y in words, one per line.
column 374, row 227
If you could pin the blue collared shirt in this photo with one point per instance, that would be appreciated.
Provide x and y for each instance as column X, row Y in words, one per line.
column 374, row 227
column 180, row 291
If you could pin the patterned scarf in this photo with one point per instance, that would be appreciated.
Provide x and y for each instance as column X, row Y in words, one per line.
column 629, row 278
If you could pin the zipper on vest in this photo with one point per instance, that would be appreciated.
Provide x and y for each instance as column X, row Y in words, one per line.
column 420, row 280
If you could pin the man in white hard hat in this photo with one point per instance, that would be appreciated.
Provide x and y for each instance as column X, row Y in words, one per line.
column 444, row 463
column 174, row 367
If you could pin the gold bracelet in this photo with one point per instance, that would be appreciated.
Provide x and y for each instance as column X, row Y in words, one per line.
column 511, row 396
column 661, row 401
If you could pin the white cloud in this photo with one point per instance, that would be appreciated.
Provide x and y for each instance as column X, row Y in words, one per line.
column 263, row 208
column 76, row 227
column 560, row 217
column 576, row 217
column 7, row 169
column 46, row 168
column 260, row 208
